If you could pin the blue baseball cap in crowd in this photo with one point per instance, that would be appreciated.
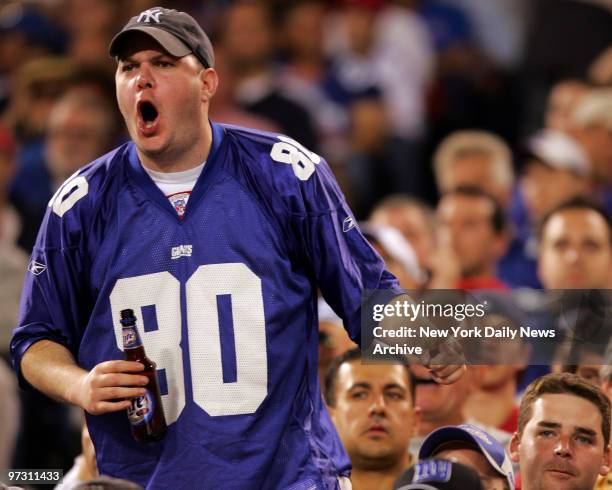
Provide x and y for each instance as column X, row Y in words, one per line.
column 438, row 474
column 475, row 436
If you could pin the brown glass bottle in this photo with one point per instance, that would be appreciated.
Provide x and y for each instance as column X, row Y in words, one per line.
column 146, row 415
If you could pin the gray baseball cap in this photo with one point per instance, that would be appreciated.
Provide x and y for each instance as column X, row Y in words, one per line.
column 177, row 32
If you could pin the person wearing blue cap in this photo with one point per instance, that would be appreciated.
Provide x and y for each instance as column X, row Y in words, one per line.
column 439, row 474
column 474, row 447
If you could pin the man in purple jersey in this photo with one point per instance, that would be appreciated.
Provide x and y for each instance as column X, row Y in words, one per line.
column 217, row 237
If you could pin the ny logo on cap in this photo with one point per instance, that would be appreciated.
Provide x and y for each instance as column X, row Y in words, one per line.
column 151, row 15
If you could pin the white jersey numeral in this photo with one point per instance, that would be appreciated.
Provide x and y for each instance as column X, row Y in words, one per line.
column 291, row 152
column 76, row 187
column 163, row 345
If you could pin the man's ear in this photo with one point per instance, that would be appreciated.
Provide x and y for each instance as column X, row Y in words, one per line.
column 210, row 82
column 416, row 420
column 605, row 464
column 513, row 447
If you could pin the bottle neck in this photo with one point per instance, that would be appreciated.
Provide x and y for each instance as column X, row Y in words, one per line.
column 131, row 338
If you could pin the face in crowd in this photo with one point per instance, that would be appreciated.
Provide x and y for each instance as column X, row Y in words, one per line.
column 575, row 250
column 561, row 442
column 374, row 413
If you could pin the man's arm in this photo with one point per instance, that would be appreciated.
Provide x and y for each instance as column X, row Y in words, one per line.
column 51, row 368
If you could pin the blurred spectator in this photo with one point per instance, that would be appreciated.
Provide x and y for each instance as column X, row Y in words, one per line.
column 37, row 85
column 373, row 409
column 576, row 247
column 247, row 39
column 307, row 78
column 554, row 169
column 223, row 107
column 13, row 262
column 399, row 256
column 414, row 219
column 25, row 34
column 443, row 405
column 563, row 435
column 591, row 126
column 562, row 100
column 475, row 159
column 445, row 475
column 477, row 227
column 493, row 403
column 383, row 62
column 600, row 72
column 85, row 467
column 552, row 53
column 80, row 127
column 9, row 413
column 499, row 28
column 474, row 447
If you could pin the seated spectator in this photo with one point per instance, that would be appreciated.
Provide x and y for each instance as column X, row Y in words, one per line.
column 472, row 446
column 415, row 220
column 563, row 436
column 576, row 247
column 555, row 168
column 562, row 100
column 85, row 467
column 373, row 409
column 399, row 256
column 247, row 37
column 477, row 227
column 436, row 474
column 474, row 159
column 591, row 127
column 443, row 405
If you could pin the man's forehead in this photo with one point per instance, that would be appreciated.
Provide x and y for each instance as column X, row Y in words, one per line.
column 566, row 410
column 570, row 221
column 352, row 373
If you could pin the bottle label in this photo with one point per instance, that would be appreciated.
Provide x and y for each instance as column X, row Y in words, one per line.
column 141, row 410
column 131, row 338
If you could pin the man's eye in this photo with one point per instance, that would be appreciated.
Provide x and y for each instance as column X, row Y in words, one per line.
column 127, row 67
column 546, row 433
column 394, row 395
column 358, row 395
column 587, row 441
column 163, row 64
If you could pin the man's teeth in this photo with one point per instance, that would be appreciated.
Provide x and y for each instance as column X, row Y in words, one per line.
column 148, row 124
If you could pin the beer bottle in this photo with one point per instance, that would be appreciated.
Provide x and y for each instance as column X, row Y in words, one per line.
column 146, row 415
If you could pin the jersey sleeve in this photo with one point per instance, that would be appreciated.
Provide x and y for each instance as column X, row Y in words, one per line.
column 53, row 297
column 347, row 269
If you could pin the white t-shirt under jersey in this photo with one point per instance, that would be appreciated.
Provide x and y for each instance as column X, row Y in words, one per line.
column 176, row 186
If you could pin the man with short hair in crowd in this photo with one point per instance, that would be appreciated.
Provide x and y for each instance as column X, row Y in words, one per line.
column 475, row 159
column 476, row 223
column 373, row 409
column 576, row 247
column 563, row 438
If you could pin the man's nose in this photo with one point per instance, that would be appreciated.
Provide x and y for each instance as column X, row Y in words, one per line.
column 563, row 448
column 145, row 78
column 378, row 405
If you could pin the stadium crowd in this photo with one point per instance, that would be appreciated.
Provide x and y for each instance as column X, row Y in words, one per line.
column 473, row 141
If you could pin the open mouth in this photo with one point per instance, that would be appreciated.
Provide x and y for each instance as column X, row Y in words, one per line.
column 148, row 113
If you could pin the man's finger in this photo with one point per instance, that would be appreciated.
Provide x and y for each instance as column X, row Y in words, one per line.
column 119, row 392
column 120, row 366
column 447, row 374
column 122, row 379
